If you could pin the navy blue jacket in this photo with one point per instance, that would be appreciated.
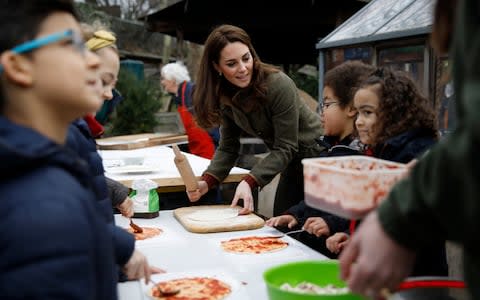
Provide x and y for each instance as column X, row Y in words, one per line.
column 53, row 244
column 406, row 146
column 333, row 147
column 213, row 132
column 301, row 212
column 81, row 141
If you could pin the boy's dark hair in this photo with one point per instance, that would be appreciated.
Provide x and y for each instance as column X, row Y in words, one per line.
column 345, row 79
column 402, row 106
column 20, row 21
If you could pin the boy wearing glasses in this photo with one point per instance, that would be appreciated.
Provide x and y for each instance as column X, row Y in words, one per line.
column 337, row 117
column 47, row 80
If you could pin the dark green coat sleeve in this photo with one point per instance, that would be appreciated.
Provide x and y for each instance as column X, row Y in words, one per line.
column 116, row 191
column 284, row 111
column 442, row 196
column 228, row 150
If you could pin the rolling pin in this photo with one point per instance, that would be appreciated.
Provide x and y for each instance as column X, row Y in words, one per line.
column 185, row 170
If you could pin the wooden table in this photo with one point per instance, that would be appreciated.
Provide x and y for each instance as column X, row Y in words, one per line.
column 164, row 171
column 179, row 251
column 142, row 140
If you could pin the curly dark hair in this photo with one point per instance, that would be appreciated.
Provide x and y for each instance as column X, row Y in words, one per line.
column 345, row 79
column 402, row 106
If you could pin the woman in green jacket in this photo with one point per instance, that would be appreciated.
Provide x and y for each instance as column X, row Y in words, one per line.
column 243, row 95
column 440, row 197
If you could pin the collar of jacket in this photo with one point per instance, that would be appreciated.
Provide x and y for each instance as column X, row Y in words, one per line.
column 22, row 149
column 332, row 141
column 399, row 141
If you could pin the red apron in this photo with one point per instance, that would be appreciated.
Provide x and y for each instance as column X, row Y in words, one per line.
column 199, row 141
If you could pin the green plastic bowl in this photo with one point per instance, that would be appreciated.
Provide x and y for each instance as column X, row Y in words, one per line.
column 320, row 272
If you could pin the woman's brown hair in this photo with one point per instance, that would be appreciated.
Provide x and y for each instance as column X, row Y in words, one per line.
column 402, row 106
column 212, row 89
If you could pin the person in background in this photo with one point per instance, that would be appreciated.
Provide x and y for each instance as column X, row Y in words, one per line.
column 109, row 192
column 338, row 118
column 176, row 80
column 108, row 107
column 239, row 92
column 55, row 244
column 419, row 210
column 439, row 200
column 102, row 41
column 395, row 122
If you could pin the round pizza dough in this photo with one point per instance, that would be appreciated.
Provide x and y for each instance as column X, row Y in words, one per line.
column 148, row 232
column 253, row 244
column 206, row 215
column 193, row 288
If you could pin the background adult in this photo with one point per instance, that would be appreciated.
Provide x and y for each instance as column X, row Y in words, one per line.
column 239, row 92
column 440, row 197
column 176, row 80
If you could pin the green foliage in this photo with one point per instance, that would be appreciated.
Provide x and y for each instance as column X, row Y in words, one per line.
column 89, row 13
column 136, row 113
column 305, row 82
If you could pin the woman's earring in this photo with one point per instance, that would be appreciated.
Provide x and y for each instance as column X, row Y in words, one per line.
column 220, row 74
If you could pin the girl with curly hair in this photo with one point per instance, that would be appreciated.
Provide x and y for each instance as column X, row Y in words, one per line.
column 396, row 122
column 338, row 120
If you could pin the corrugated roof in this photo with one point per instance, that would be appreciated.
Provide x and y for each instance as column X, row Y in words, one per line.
column 381, row 20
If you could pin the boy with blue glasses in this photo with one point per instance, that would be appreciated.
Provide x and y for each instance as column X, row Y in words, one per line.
column 55, row 244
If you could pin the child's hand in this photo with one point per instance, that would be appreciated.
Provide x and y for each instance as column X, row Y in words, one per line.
column 126, row 207
column 316, row 226
column 337, row 242
column 285, row 220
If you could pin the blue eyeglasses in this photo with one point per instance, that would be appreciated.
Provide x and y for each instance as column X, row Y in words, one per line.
column 75, row 38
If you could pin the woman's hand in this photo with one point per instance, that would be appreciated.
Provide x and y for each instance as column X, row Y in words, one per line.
column 287, row 220
column 337, row 242
column 194, row 196
column 244, row 192
column 126, row 207
column 316, row 226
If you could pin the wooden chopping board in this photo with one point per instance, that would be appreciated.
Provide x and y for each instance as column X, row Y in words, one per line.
column 244, row 222
column 142, row 140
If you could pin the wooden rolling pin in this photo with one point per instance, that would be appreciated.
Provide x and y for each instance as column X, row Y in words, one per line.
column 185, row 170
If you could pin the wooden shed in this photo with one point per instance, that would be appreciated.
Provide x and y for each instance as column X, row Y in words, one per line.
column 397, row 34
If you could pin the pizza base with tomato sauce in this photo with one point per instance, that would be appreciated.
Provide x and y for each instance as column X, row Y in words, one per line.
column 148, row 232
column 192, row 288
column 254, row 244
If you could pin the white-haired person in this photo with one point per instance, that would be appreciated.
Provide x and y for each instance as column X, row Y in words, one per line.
column 176, row 80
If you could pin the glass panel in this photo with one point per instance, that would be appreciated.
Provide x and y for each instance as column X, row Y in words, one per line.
column 417, row 15
column 445, row 97
column 370, row 19
column 334, row 57
column 409, row 59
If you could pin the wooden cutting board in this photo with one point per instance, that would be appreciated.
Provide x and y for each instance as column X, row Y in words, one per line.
column 244, row 222
column 142, row 140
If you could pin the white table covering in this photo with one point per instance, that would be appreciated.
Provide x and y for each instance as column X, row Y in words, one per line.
column 178, row 250
column 160, row 158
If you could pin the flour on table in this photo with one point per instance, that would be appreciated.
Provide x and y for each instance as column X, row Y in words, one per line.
column 213, row 214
